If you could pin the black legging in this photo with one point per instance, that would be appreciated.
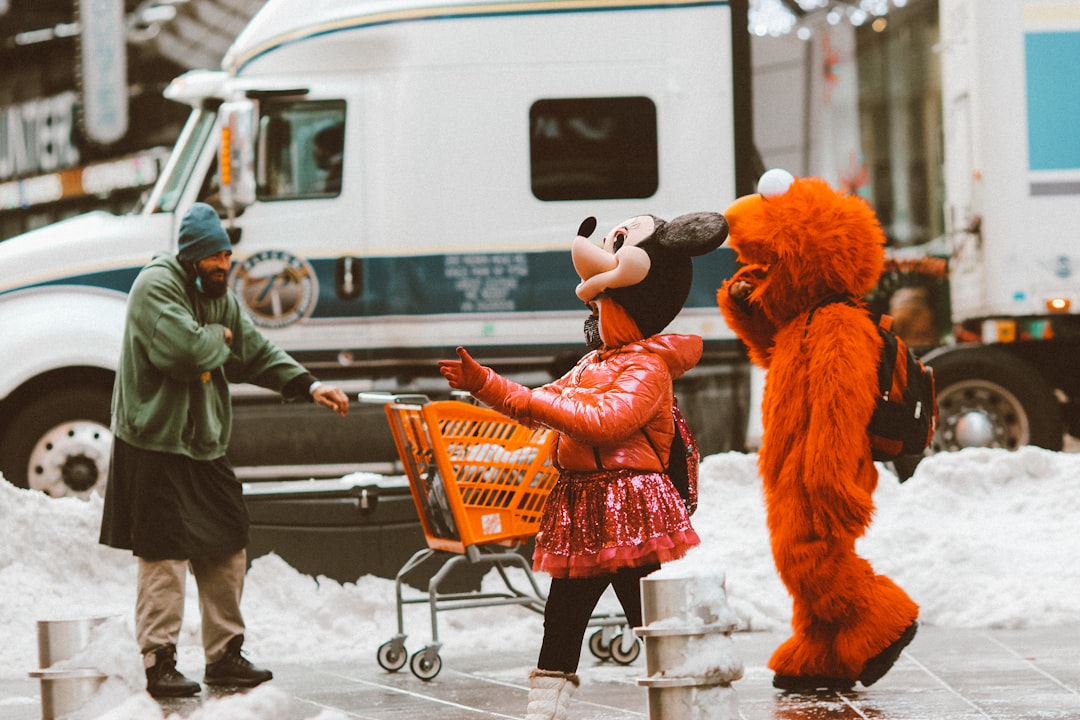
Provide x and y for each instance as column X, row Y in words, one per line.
column 570, row 606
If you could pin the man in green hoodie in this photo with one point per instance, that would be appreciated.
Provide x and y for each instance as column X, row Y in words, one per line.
column 173, row 498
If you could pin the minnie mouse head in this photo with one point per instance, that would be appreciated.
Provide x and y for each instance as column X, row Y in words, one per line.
column 644, row 266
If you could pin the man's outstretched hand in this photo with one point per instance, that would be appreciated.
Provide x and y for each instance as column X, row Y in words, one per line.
column 332, row 397
column 464, row 374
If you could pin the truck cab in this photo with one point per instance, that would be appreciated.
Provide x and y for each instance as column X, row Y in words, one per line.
column 398, row 178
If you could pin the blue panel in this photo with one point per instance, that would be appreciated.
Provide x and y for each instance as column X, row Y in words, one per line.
column 120, row 280
column 452, row 284
column 482, row 283
column 1053, row 100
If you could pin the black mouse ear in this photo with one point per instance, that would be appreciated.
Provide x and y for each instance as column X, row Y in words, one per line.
column 587, row 226
column 694, row 233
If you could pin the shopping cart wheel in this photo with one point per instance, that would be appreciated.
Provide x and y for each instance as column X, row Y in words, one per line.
column 426, row 664
column 392, row 655
column 624, row 656
column 599, row 646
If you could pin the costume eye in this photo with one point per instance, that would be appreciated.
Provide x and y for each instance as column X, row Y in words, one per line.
column 619, row 241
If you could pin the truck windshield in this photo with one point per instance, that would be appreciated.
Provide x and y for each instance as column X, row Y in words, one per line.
column 182, row 163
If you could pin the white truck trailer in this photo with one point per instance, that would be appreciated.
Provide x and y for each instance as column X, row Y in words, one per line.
column 398, row 177
column 1011, row 104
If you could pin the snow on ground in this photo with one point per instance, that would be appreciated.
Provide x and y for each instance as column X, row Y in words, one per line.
column 979, row 538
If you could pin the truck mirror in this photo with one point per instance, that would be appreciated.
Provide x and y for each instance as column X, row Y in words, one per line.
column 236, row 154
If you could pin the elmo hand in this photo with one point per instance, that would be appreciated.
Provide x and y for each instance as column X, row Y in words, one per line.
column 464, row 374
column 740, row 290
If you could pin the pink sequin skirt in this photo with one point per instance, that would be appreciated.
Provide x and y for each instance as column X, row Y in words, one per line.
column 595, row 523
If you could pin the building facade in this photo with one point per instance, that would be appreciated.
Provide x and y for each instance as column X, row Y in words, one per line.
column 83, row 124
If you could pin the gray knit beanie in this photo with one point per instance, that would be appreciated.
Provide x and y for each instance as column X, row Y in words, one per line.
column 201, row 234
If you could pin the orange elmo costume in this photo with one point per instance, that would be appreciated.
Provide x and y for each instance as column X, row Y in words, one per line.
column 801, row 244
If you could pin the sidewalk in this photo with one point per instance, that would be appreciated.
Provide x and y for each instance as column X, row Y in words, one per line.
column 945, row 674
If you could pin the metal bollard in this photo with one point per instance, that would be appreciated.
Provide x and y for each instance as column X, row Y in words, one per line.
column 65, row 689
column 689, row 651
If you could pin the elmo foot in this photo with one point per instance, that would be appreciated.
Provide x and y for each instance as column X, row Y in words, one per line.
column 811, row 684
column 877, row 666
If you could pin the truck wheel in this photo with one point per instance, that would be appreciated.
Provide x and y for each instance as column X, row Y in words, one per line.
column 60, row 443
column 988, row 398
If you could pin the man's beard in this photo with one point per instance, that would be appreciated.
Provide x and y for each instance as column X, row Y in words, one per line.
column 592, row 333
column 212, row 284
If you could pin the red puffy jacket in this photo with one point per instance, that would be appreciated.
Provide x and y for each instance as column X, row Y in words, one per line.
column 612, row 410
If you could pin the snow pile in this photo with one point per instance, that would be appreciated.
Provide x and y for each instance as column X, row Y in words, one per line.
column 979, row 538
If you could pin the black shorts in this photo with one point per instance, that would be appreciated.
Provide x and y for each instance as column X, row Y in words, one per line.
column 167, row 506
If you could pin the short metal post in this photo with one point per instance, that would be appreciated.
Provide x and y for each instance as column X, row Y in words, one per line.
column 689, row 652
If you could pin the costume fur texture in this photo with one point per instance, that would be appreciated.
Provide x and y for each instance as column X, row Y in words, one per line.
column 797, row 248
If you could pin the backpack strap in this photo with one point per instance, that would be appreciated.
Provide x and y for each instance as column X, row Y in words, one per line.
column 884, row 322
column 831, row 300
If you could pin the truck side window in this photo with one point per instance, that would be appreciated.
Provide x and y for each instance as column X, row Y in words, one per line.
column 593, row 148
column 300, row 150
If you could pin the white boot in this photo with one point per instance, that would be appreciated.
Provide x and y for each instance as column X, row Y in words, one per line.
column 549, row 694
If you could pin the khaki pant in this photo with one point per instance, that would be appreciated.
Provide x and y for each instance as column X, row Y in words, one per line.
column 159, row 605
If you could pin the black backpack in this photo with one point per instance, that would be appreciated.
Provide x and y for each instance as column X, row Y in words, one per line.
column 683, row 459
column 906, row 414
column 905, row 418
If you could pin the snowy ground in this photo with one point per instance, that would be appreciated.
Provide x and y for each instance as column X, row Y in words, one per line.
column 979, row 538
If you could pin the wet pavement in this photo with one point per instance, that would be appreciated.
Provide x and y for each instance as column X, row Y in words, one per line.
column 953, row 674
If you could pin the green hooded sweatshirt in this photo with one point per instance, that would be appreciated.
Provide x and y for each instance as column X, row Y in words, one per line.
column 172, row 387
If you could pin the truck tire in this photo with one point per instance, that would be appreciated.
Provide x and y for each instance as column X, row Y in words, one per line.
column 60, row 443
column 989, row 398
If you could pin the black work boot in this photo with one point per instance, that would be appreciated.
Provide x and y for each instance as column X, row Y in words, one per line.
column 234, row 669
column 162, row 677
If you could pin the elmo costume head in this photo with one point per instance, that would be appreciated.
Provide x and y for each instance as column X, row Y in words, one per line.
column 800, row 242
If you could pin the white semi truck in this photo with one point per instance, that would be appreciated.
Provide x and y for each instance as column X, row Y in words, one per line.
column 398, row 177
column 1011, row 105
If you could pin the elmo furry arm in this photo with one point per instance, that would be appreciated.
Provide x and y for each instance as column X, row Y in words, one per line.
column 744, row 314
column 841, row 351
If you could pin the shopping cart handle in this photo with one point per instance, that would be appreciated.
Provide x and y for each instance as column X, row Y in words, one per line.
column 385, row 398
column 463, row 396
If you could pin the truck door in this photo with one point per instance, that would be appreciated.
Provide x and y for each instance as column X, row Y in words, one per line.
column 292, row 237
column 296, row 219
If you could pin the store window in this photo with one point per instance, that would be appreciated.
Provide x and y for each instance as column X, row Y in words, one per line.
column 593, row 148
column 900, row 122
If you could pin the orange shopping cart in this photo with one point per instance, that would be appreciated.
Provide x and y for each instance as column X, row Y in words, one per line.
column 479, row 481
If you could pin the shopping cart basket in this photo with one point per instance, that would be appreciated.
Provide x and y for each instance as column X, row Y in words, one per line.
column 479, row 481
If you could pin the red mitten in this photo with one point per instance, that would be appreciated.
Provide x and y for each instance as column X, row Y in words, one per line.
column 464, row 374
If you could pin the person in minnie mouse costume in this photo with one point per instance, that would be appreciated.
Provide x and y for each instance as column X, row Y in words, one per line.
column 808, row 255
column 614, row 515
